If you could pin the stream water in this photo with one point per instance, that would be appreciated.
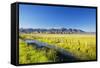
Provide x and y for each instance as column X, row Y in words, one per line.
column 64, row 55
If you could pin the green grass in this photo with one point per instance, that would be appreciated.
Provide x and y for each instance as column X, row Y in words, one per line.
column 81, row 46
column 29, row 54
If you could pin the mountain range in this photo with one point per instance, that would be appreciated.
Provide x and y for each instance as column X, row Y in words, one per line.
column 51, row 31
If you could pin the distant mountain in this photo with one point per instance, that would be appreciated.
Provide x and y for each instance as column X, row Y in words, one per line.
column 51, row 31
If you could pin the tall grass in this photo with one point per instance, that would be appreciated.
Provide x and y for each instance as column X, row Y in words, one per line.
column 81, row 46
column 30, row 54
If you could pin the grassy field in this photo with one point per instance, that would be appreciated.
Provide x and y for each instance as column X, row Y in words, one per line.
column 82, row 46
column 30, row 54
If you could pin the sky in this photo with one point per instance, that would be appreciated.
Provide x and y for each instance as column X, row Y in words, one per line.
column 36, row 16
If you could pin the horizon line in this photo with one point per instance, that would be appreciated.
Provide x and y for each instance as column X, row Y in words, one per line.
column 58, row 28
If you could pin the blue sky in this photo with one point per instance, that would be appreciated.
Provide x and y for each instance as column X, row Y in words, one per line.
column 35, row 16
